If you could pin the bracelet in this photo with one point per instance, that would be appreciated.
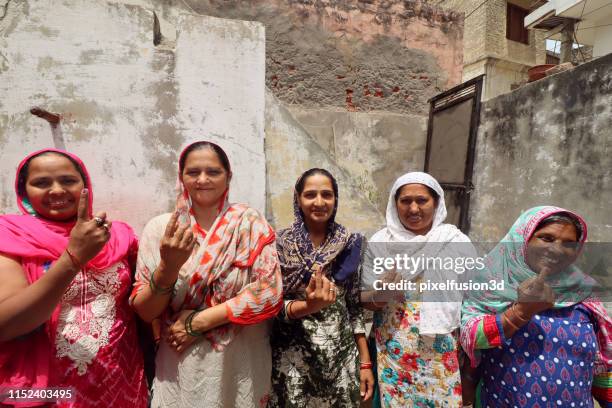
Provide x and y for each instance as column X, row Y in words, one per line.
column 74, row 259
column 516, row 313
column 158, row 290
column 509, row 321
column 288, row 310
column 365, row 366
column 188, row 326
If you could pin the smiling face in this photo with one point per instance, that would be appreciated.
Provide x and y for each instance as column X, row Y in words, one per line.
column 204, row 177
column 416, row 208
column 53, row 187
column 317, row 200
column 554, row 246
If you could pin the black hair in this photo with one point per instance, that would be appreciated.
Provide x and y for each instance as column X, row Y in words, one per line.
column 432, row 192
column 299, row 189
column 299, row 185
column 23, row 172
column 203, row 145
column 563, row 218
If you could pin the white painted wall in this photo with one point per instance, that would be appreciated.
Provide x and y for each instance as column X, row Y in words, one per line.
column 221, row 66
column 603, row 40
column 129, row 107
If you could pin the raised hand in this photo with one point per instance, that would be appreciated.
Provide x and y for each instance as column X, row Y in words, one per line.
column 320, row 292
column 175, row 247
column 89, row 235
column 535, row 295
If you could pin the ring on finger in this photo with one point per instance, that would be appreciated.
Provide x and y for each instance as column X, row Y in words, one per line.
column 100, row 222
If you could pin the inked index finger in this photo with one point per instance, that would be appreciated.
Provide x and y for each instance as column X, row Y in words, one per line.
column 318, row 277
column 83, row 210
column 545, row 273
column 172, row 225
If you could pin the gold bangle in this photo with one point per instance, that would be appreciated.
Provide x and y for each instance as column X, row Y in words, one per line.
column 516, row 313
column 509, row 321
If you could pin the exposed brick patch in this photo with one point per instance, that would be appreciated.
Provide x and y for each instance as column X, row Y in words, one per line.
column 317, row 49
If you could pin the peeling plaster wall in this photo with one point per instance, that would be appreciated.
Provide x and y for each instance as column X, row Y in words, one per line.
column 129, row 106
column 352, row 54
column 294, row 152
column 354, row 77
column 548, row 142
column 374, row 148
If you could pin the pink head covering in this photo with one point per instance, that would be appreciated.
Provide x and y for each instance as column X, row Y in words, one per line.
column 23, row 203
column 28, row 360
column 30, row 236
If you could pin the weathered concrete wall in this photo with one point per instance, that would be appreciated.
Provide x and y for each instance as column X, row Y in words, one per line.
column 356, row 55
column 374, row 148
column 354, row 77
column 128, row 105
column 548, row 142
column 291, row 151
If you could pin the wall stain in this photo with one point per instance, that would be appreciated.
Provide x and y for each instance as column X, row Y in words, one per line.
column 546, row 143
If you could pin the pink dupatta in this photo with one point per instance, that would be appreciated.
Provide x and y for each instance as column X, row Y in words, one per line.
column 29, row 361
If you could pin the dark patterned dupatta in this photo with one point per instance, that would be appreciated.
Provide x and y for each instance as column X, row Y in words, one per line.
column 339, row 255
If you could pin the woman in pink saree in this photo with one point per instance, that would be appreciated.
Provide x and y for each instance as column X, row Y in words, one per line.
column 65, row 321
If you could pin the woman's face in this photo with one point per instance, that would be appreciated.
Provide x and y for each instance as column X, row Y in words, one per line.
column 416, row 208
column 317, row 200
column 204, row 177
column 554, row 246
column 53, row 187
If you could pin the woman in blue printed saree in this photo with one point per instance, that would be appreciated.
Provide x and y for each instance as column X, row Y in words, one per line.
column 543, row 341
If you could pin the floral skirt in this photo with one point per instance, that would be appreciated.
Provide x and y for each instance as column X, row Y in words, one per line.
column 414, row 370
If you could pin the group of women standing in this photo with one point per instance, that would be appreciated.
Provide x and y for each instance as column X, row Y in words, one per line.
column 245, row 316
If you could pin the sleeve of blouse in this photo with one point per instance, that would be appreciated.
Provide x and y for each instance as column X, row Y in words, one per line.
column 489, row 333
column 602, row 379
column 353, row 304
column 263, row 297
column 602, row 389
column 148, row 256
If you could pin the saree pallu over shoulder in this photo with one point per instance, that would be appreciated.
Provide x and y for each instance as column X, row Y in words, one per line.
column 224, row 268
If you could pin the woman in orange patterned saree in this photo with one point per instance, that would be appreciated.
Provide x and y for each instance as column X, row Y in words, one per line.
column 211, row 272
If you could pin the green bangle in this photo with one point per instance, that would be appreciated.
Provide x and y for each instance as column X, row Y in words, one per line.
column 188, row 327
column 158, row 290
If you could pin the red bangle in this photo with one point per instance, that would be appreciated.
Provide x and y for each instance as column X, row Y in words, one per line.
column 74, row 260
column 365, row 366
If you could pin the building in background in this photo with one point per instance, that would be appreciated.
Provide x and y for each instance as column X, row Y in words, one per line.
column 497, row 43
column 584, row 22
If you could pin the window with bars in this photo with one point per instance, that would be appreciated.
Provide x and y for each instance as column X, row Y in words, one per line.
column 515, row 28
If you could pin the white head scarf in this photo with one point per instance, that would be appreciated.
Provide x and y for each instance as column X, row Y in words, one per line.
column 395, row 230
column 439, row 317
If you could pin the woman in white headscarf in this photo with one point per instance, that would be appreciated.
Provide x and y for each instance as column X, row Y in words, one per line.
column 415, row 333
